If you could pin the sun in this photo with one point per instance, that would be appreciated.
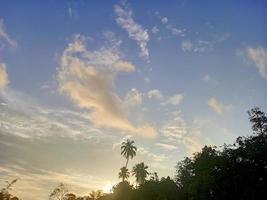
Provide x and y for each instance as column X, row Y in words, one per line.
column 108, row 188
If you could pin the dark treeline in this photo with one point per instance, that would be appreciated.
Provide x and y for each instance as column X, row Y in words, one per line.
column 236, row 171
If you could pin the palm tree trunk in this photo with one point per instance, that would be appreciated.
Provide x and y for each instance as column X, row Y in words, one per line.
column 127, row 162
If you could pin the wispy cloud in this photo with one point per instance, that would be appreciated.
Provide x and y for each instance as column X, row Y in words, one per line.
column 198, row 46
column 174, row 100
column 24, row 117
column 209, row 79
column 170, row 27
column 4, row 37
column 217, row 106
column 154, row 157
column 156, row 94
column 258, row 55
column 134, row 30
column 177, row 134
column 133, row 97
column 87, row 77
column 3, row 76
column 155, row 30
column 206, row 78
column 167, row 147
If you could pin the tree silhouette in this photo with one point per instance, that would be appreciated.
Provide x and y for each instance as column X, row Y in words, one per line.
column 5, row 192
column 236, row 172
column 128, row 150
column 122, row 190
column 258, row 121
column 70, row 196
column 154, row 177
column 140, row 172
column 124, row 174
column 59, row 193
column 95, row 194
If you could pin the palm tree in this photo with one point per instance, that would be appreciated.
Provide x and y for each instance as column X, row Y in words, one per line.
column 128, row 150
column 140, row 172
column 124, row 174
column 94, row 195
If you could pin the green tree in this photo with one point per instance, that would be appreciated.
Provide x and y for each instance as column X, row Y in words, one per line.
column 128, row 150
column 140, row 172
column 124, row 174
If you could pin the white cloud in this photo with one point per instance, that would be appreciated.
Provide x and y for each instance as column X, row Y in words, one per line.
column 217, row 106
column 150, row 155
column 177, row 32
column 4, row 37
column 175, row 129
column 198, row 46
column 147, row 80
column 135, row 31
column 174, row 100
column 3, row 76
column 154, row 94
column 206, row 78
column 87, row 77
column 167, row 147
column 124, row 66
column 155, row 30
column 173, row 30
column 186, row 45
column 164, row 20
column 24, row 117
column 259, row 57
column 177, row 134
column 133, row 98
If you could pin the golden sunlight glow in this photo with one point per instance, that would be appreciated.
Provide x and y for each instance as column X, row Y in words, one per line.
column 108, row 187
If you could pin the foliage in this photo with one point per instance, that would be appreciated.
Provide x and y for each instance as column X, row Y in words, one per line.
column 140, row 172
column 128, row 150
column 237, row 171
column 124, row 174
column 59, row 193
column 5, row 192
column 95, row 194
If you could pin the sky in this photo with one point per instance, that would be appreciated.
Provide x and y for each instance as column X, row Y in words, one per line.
column 79, row 77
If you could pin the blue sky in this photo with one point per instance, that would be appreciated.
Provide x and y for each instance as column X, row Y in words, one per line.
column 79, row 77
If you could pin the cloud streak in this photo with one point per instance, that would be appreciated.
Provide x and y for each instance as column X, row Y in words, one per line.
column 135, row 31
column 258, row 56
column 4, row 37
column 198, row 46
column 174, row 100
column 217, row 106
column 177, row 135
